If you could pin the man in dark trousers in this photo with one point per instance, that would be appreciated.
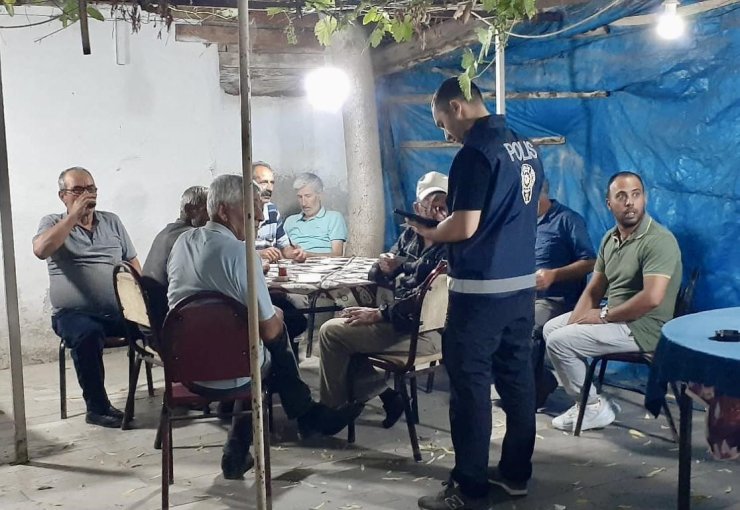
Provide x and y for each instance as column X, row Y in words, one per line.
column 495, row 181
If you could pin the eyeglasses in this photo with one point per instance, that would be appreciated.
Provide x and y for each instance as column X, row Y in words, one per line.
column 79, row 190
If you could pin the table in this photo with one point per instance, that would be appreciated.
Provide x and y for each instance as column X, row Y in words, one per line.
column 343, row 279
column 686, row 354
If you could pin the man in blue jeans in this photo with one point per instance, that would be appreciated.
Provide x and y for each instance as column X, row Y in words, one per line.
column 495, row 181
column 81, row 247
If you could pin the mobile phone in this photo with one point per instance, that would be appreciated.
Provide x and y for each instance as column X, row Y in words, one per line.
column 726, row 335
column 427, row 222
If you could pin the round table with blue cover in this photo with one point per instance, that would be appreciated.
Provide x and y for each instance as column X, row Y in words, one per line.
column 687, row 353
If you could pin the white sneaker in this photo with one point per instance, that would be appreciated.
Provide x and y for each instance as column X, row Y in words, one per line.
column 598, row 415
column 567, row 420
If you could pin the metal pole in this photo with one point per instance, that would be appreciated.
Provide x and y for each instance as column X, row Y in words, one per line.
column 84, row 29
column 11, row 295
column 260, row 471
column 684, row 450
column 500, row 75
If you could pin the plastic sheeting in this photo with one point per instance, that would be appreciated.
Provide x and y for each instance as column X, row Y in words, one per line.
column 672, row 115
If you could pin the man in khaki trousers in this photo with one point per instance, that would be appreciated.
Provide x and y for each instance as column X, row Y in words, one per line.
column 388, row 327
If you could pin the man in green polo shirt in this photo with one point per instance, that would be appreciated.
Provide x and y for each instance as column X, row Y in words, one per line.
column 638, row 269
column 320, row 233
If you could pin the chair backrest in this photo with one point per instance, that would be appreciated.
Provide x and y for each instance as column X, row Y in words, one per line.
column 130, row 294
column 205, row 337
column 685, row 297
column 433, row 314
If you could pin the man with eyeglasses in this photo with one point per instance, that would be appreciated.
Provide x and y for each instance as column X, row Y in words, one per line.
column 81, row 247
column 388, row 327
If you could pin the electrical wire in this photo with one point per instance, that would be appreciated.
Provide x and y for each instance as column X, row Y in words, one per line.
column 53, row 18
column 562, row 30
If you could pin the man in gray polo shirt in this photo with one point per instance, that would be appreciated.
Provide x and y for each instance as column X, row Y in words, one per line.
column 638, row 269
column 81, row 247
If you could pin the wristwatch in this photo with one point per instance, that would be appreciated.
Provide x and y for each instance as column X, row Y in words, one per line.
column 603, row 313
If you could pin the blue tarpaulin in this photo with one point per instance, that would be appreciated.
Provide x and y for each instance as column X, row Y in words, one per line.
column 672, row 114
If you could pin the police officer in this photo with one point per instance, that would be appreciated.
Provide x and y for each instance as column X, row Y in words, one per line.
column 494, row 185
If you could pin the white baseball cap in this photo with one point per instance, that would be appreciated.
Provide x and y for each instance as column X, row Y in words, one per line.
column 429, row 183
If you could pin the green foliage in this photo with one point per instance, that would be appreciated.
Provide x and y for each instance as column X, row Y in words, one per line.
column 9, row 7
column 325, row 28
column 94, row 13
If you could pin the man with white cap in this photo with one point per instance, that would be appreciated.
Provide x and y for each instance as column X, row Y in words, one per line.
column 388, row 327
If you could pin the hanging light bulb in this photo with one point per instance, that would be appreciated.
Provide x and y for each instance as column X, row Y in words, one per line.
column 327, row 88
column 670, row 24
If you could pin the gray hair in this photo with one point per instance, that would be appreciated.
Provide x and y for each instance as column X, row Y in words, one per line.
column 261, row 163
column 308, row 179
column 193, row 196
column 227, row 190
column 63, row 175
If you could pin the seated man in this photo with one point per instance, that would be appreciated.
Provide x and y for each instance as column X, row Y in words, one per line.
column 564, row 256
column 272, row 241
column 81, row 247
column 320, row 233
column 638, row 268
column 213, row 258
column 387, row 328
column 192, row 215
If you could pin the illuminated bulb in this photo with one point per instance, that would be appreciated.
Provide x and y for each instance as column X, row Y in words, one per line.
column 327, row 88
column 670, row 24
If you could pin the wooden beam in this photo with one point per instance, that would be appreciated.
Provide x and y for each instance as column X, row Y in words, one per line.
column 427, row 98
column 262, row 39
column 276, row 61
column 434, row 144
column 435, row 42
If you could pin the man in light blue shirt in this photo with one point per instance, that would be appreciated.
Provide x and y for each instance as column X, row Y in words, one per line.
column 213, row 258
column 319, row 232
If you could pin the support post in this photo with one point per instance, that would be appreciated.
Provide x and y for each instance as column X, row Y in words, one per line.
column 262, row 484
column 84, row 29
column 684, row 449
column 361, row 143
column 500, row 75
column 11, row 295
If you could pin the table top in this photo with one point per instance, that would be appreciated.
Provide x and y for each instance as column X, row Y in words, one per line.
column 686, row 353
column 692, row 332
column 321, row 274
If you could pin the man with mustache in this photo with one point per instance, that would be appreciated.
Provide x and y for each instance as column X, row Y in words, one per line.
column 81, row 247
column 638, row 270
column 272, row 242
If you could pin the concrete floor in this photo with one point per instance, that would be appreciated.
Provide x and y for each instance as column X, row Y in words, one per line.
column 78, row 466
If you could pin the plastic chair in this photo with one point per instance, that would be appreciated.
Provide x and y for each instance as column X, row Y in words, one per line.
column 430, row 315
column 204, row 338
column 684, row 302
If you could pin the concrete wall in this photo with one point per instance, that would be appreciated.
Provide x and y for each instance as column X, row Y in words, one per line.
column 147, row 131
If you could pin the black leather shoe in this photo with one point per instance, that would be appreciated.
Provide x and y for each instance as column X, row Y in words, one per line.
column 115, row 413
column 327, row 421
column 394, row 409
column 236, row 459
column 103, row 420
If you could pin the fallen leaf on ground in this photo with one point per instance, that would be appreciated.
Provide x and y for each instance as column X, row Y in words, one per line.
column 624, row 507
column 539, row 436
column 558, row 507
column 611, row 464
column 44, row 488
column 391, row 478
column 724, row 470
column 636, row 433
column 728, row 490
column 318, row 507
column 653, row 473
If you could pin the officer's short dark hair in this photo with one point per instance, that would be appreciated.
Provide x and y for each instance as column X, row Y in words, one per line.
column 450, row 89
column 623, row 174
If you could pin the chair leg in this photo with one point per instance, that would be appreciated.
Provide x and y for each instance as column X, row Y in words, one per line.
column 62, row 381
column 268, row 405
column 602, row 373
column 149, row 380
column 351, row 397
column 266, row 429
column 584, row 395
column 671, row 423
column 311, row 324
column 401, row 384
column 430, row 377
column 160, row 429
column 133, row 378
column 414, row 396
column 166, row 459
column 170, row 441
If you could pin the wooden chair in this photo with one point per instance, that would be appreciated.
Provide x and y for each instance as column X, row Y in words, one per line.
column 684, row 302
column 133, row 302
column 204, row 338
column 431, row 315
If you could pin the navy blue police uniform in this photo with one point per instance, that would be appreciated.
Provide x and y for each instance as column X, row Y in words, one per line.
column 491, row 308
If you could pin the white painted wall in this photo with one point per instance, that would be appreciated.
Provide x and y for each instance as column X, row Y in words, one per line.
column 146, row 130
